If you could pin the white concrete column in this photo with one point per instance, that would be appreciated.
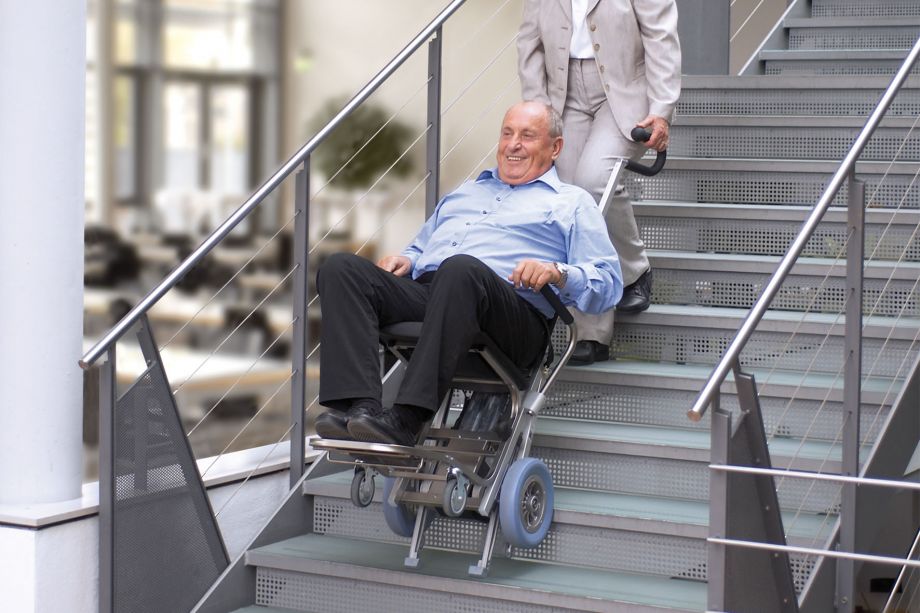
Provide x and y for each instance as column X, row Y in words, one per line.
column 42, row 77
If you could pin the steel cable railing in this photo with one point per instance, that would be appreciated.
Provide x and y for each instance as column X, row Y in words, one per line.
column 849, row 434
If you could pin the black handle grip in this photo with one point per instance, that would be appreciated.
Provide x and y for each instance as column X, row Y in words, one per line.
column 648, row 171
column 557, row 305
column 640, row 135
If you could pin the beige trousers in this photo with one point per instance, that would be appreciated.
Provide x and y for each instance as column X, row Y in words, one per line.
column 591, row 143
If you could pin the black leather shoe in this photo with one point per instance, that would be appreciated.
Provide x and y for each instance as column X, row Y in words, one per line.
column 637, row 296
column 390, row 427
column 589, row 352
column 333, row 424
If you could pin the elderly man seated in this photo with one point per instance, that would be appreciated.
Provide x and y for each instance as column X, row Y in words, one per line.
column 477, row 264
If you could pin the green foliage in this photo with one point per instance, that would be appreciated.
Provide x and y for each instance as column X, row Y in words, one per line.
column 346, row 139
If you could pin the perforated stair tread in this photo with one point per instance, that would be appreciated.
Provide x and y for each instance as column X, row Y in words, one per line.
column 851, row 22
column 383, row 562
column 773, row 320
column 263, row 609
column 673, row 438
column 767, row 264
column 832, row 54
column 573, row 504
column 692, row 376
column 656, row 508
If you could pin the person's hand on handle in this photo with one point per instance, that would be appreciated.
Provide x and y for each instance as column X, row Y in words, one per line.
column 399, row 265
column 534, row 274
column 660, row 128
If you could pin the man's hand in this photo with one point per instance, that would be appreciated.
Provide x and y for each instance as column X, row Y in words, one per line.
column 399, row 265
column 534, row 274
column 659, row 127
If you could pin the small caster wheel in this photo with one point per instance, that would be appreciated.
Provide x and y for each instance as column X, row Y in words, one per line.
column 454, row 500
column 526, row 503
column 362, row 487
column 399, row 517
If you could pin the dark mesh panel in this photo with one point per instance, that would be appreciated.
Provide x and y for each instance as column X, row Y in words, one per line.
column 167, row 549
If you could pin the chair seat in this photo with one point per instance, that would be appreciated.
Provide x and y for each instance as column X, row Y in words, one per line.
column 406, row 333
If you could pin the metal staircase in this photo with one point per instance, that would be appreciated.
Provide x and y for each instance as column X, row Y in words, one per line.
column 750, row 155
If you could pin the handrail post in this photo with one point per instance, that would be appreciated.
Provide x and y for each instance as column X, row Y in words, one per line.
column 846, row 568
column 433, row 139
column 106, row 482
column 717, row 564
column 300, row 328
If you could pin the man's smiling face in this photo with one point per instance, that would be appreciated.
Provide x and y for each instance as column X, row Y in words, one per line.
column 525, row 148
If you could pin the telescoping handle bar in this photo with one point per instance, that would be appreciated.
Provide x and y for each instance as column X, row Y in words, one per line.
column 641, row 135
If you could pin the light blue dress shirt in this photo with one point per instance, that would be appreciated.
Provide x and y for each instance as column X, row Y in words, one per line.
column 545, row 220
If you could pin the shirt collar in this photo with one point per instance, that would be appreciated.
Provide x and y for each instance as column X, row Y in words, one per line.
column 550, row 178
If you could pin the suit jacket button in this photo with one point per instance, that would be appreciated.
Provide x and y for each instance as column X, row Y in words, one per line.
column 597, row 47
column 602, row 68
column 607, row 87
column 593, row 27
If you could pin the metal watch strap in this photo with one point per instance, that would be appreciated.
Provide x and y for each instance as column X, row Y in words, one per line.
column 563, row 274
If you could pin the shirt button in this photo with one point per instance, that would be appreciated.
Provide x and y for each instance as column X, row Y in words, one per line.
column 485, row 212
column 454, row 244
column 468, row 223
column 499, row 198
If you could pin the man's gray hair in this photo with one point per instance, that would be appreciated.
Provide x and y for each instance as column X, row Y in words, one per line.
column 553, row 119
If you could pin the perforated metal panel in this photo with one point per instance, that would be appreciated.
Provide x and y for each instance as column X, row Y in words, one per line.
column 565, row 543
column 740, row 290
column 651, row 554
column 652, row 476
column 765, row 350
column 765, row 187
column 888, row 37
column 321, row 593
column 797, row 102
column 339, row 517
column 790, row 143
column 864, row 8
column 765, row 237
column 659, row 406
column 167, row 551
column 863, row 68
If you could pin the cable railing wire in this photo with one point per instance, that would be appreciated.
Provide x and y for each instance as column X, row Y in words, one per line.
column 240, row 378
column 232, row 332
column 248, row 423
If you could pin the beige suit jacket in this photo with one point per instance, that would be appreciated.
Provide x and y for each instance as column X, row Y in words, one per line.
column 635, row 45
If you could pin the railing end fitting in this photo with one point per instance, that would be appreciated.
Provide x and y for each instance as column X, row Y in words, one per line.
column 84, row 364
column 694, row 416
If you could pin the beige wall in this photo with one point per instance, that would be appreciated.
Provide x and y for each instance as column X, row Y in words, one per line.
column 333, row 48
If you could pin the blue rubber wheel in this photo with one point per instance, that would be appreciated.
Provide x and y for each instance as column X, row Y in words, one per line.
column 398, row 516
column 525, row 508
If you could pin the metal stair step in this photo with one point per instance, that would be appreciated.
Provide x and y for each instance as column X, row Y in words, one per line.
column 322, row 572
column 769, row 230
column 814, row 284
column 673, row 443
column 812, row 342
column 611, row 510
column 261, row 609
column 832, row 34
column 659, row 394
column 843, row 21
column 864, row 8
column 794, row 95
column 790, row 142
column 776, row 182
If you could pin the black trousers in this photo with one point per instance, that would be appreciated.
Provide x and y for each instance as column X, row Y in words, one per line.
column 455, row 303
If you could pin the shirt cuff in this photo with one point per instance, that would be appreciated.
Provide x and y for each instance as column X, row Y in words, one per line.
column 574, row 285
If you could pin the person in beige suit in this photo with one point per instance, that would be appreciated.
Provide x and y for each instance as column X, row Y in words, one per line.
column 606, row 66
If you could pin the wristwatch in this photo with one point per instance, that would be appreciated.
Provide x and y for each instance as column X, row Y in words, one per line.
column 563, row 274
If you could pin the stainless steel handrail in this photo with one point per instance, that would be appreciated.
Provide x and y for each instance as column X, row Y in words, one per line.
column 757, row 312
column 96, row 351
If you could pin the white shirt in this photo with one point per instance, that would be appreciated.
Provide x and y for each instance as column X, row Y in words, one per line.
column 581, row 47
